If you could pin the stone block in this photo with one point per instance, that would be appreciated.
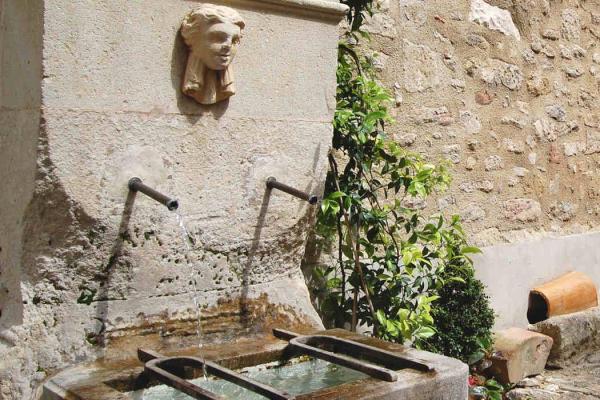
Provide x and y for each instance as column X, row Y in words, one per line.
column 576, row 336
column 519, row 353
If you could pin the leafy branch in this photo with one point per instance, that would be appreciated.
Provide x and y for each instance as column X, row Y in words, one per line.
column 390, row 258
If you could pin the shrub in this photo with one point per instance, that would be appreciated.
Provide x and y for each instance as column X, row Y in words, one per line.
column 462, row 315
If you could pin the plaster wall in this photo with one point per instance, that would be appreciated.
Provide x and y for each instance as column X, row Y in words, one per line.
column 96, row 264
column 511, row 270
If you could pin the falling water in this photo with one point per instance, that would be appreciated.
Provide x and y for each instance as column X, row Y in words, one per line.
column 188, row 241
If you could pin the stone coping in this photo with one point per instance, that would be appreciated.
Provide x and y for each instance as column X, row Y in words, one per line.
column 320, row 9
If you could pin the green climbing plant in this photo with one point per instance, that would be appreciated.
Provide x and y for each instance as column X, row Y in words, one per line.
column 390, row 261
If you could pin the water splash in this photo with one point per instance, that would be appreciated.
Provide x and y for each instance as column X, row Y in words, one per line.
column 189, row 241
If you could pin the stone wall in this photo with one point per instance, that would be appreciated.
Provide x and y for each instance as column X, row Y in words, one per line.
column 90, row 98
column 508, row 92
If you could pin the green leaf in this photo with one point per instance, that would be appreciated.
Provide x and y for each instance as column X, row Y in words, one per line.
column 493, row 384
column 425, row 332
column 334, row 283
column 470, row 250
column 494, row 395
column 336, row 195
column 475, row 357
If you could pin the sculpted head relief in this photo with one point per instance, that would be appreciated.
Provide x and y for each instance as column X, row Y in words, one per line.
column 212, row 33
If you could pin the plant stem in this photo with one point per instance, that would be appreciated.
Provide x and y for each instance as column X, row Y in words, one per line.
column 349, row 229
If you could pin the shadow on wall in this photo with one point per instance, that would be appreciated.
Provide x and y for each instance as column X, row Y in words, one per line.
column 244, row 301
column 99, row 338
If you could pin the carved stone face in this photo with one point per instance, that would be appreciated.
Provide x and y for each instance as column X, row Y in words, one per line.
column 212, row 33
column 219, row 45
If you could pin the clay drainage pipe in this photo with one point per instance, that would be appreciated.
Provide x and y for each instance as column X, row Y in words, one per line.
column 567, row 294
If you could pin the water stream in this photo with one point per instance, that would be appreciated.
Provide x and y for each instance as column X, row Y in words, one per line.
column 188, row 241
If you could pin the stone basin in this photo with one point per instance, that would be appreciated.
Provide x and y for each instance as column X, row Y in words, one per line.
column 114, row 380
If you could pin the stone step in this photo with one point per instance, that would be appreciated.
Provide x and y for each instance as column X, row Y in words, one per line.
column 576, row 337
column 519, row 353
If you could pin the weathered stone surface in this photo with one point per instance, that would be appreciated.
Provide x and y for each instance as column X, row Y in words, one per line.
column 557, row 112
column 512, row 146
column 519, row 353
column 575, row 382
column 571, row 25
column 522, row 210
column 472, row 212
column 483, row 97
column 571, row 52
column 423, row 68
column 381, row 24
column 493, row 163
column 520, row 171
column 517, row 122
column 528, row 394
column 496, row 72
column 574, row 71
column 470, row 163
column 452, row 153
column 570, row 149
column 476, row 40
column 485, row 186
column 593, row 142
column 406, row 140
column 538, row 85
column 564, row 210
column 470, row 121
column 576, row 337
column 493, row 17
column 546, row 130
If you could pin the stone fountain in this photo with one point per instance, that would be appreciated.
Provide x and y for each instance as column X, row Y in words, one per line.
column 97, row 92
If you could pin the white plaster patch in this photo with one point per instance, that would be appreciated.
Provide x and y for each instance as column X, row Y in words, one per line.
column 494, row 18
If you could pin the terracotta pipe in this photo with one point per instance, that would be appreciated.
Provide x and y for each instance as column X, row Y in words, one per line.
column 572, row 292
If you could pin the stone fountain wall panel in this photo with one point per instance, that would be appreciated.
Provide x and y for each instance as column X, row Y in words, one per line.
column 91, row 271
column 216, row 168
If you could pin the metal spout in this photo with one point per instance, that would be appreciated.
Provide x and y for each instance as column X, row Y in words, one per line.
column 273, row 184
column 136, row 185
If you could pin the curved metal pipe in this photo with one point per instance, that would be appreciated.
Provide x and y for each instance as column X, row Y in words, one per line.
column 273, row 184
column 135, row 184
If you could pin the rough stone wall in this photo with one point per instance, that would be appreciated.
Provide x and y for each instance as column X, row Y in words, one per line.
column 87, row 264
column 510, row 98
